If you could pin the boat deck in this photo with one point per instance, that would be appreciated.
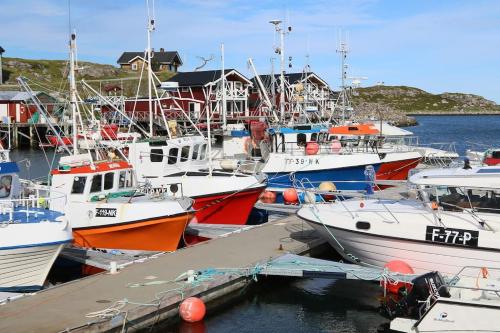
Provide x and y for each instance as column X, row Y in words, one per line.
column 147, row 291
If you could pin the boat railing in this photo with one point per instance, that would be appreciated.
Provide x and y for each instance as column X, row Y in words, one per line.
column 29, row 204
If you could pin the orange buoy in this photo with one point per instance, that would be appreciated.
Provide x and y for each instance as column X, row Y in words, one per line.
column 290, row 196
column 327, row 187
column 312, row 148
column 268, row 197
column 192, row 309
column 336, row 146
column 397, row 266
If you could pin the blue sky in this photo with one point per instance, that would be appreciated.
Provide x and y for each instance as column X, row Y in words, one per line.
column 439, row 46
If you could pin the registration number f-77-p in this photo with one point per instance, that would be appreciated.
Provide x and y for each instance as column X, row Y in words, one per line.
column 452, row 236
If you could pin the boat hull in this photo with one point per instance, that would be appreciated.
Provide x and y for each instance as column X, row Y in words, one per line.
column 25, row 268
column 155, row 234
column 348, row 178
column 55, row 141
column 397, row 170
column 420, row 255
column 226, row 208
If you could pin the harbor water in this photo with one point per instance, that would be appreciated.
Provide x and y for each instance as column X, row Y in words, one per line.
column 313, row 305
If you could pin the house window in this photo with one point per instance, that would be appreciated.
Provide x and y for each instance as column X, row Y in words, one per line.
column 78, row 185
column 172, row 156
column 96, row 184
column 191, row 107
column 185, row 153
column 156, row 155
column 108, row 180
column 238, row 85
column 134, row 66
column 185, row 89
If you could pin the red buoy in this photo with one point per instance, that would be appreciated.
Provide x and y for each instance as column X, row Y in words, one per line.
column 397, row 266
column 290, row 196
column 312, row 148
column 268, row 197
column 192, row 309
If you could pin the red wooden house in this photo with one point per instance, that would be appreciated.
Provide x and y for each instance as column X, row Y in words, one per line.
column 194, row 94
column 17, row 107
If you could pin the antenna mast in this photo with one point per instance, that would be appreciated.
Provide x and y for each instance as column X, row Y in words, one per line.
column 281, row 51
column 343, row 67
column 72, row 90
column 150, row 29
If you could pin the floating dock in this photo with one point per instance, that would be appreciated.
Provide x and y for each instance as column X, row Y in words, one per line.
column 146, row 293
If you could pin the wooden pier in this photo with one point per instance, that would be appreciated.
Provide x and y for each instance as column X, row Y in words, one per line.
column 25, row 134
column 144, row 294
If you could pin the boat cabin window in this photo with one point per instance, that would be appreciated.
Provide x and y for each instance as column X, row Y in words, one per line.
column 156, row 155
column 314, row 136
column 203, row 151
column 172, row 156
column 5, row 186
column 96, row 185
column 495, row 154
column 195, row 151
column 78, row 185
column 185, row 153
column 125, row 179
column 301, row 139
column 108, row 180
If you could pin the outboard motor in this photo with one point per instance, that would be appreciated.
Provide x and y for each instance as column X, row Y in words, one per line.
column 429, row 286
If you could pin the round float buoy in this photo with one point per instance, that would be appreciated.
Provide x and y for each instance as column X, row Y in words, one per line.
column 336, row 146
column 192, row 309
column 309, row 197
column 397, row 266
column 312, row 148
column 290, row 196
column 268, row 197
column 327, row 187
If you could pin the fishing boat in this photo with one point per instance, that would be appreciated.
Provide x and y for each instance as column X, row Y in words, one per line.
column 108, row 210
column 452, row 222
column 32, row 235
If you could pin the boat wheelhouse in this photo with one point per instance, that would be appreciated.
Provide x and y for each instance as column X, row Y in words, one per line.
column 32, row 235
column 221, row 196
column 108, row 210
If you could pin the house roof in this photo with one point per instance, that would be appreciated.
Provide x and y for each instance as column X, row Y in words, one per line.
column 203, row 78
column 291, row 78
column 1, row 50
column 10, row 95
column 168, row 57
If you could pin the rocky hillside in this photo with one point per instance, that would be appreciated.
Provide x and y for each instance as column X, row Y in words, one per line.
column 409, row 100
column 53, row 74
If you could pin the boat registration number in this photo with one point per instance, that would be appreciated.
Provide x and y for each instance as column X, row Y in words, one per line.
column 452, row 236
column 105, row 212
column 302, row 161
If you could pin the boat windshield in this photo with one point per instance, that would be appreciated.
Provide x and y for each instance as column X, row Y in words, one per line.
column 458, row 198
column 5, row 186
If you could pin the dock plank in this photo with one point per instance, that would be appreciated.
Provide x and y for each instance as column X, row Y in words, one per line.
column 64, row 307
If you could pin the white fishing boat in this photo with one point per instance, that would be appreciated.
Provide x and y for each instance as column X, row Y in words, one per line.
column 453, row 222
column 463, row 304
column 31, row 235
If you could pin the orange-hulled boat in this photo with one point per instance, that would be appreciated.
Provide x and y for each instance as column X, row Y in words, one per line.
column 107, row 210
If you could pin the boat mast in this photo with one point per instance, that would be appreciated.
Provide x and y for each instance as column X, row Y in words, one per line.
column 281, row 51
column 223, row 79
column 150, row 29
column 72, row 90
column 343, row 67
